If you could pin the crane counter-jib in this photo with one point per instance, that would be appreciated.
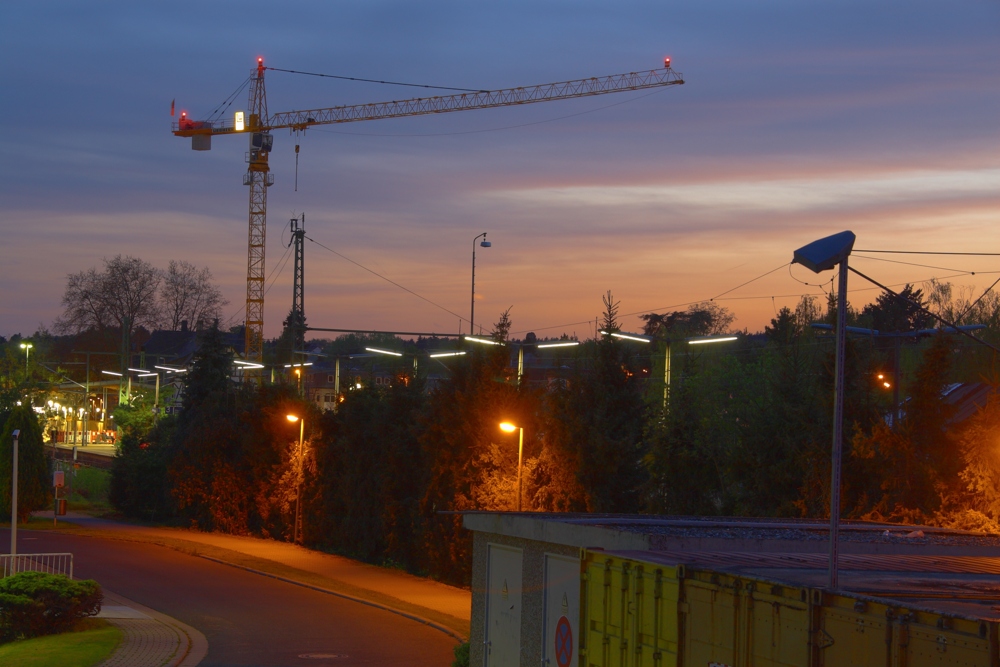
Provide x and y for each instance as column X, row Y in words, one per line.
column 485, row 99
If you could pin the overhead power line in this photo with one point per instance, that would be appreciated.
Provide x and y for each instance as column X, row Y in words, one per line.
column 931, row 252
column 896, row 261
column 780, row 266
column 388, row 280
column 924, row 310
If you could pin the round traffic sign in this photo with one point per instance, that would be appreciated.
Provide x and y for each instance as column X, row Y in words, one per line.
column 564, row 642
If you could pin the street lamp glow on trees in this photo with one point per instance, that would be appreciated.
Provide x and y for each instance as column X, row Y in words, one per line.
column 507, row 427
column 297, row 529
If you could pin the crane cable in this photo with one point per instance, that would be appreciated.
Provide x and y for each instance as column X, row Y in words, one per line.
column 228, row 102
column 388, row 83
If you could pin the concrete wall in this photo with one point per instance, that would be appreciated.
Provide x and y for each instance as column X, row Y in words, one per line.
column 533, row 596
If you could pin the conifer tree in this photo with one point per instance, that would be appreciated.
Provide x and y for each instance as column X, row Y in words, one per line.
column 33, row 483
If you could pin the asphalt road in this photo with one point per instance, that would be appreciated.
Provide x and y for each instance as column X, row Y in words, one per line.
column 248, row 619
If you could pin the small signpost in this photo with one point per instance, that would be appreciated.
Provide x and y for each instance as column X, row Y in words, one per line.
column 58, row 482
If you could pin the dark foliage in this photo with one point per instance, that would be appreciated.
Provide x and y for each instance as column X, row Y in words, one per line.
column 35, row 603
column 211, row 371
column 603, row 417
column 891, row 314
column 140, row 487
column 746, row 431
column 33, row 482
column 370, row 476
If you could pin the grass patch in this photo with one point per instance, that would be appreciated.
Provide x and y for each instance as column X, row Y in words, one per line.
column 37, row 523
column 92, row 642
column 459, row 625
column 90, row 489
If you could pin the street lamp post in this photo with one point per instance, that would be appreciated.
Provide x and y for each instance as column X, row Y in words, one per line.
column 697, row 340
column 156, row 396
column 472, row 310
column 507, row 427
column 538, row 346
column 297, row 529
column 823, row 255
column 27, row 353
column 13, row 502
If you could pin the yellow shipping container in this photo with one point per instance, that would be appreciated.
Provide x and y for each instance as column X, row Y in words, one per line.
column 637, row 612
column 629, row 613
column 731, row 620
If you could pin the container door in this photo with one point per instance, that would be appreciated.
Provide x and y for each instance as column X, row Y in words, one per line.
column 560, row 638
column 503, row 606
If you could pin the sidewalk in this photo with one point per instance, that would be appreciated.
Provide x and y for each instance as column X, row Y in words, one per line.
column 422, row 599
column 149, row 638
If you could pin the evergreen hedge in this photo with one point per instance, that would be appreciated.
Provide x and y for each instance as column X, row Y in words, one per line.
column 37, row 603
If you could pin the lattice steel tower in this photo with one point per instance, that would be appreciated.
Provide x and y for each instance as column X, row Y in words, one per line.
column 258, row 177
column 298, row 314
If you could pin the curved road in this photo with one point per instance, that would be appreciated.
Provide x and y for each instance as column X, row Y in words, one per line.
column 248, row 619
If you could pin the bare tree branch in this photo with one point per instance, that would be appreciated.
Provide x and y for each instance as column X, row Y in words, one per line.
column 124, row 290
column 188, row 294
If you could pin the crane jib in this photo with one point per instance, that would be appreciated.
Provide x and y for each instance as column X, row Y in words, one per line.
column 487, row 99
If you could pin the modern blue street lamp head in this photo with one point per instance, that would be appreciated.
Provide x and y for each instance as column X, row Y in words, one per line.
column 485, row 244
column 826, row 253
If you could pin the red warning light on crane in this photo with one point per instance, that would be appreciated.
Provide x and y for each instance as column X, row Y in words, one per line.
column 666, row 62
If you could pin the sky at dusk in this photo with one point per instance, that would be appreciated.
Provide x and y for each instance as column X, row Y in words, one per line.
column 797, row 120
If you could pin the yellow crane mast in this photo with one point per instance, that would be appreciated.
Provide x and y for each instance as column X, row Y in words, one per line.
column 258, row 125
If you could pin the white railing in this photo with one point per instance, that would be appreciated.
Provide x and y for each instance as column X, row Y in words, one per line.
column 49, row 563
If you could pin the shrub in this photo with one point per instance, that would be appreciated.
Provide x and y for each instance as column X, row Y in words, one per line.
column 461, row 655
column 36, row 603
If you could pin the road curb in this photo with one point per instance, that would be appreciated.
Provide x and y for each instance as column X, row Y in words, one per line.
column 192, row 647
column 378, row 605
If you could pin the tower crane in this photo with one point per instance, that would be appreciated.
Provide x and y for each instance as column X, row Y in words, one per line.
column 258, row 124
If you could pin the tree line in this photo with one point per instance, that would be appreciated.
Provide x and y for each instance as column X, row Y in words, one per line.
column 129, row 292
column 746, row 431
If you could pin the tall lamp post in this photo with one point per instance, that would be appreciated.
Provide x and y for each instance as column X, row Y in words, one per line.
column 13, row 502
column 697, row 340
column 27, row 353
column 297, row 530
column 818, row 256
column 472, row 310
column 507, row 427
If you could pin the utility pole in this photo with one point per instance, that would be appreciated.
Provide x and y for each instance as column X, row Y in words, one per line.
column 13, row 500
column 298, row 314
column 86, row 398
column 126, row 354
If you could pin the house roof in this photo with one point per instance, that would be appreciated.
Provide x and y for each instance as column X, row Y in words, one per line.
column 967, row 398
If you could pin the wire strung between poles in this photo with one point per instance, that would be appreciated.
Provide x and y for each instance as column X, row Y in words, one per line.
column 924, row 310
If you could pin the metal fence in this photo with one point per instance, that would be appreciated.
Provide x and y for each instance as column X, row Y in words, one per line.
column 49, row 563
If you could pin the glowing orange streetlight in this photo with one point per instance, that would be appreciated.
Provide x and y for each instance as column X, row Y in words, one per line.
column 507, row 427
column 297, row 530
